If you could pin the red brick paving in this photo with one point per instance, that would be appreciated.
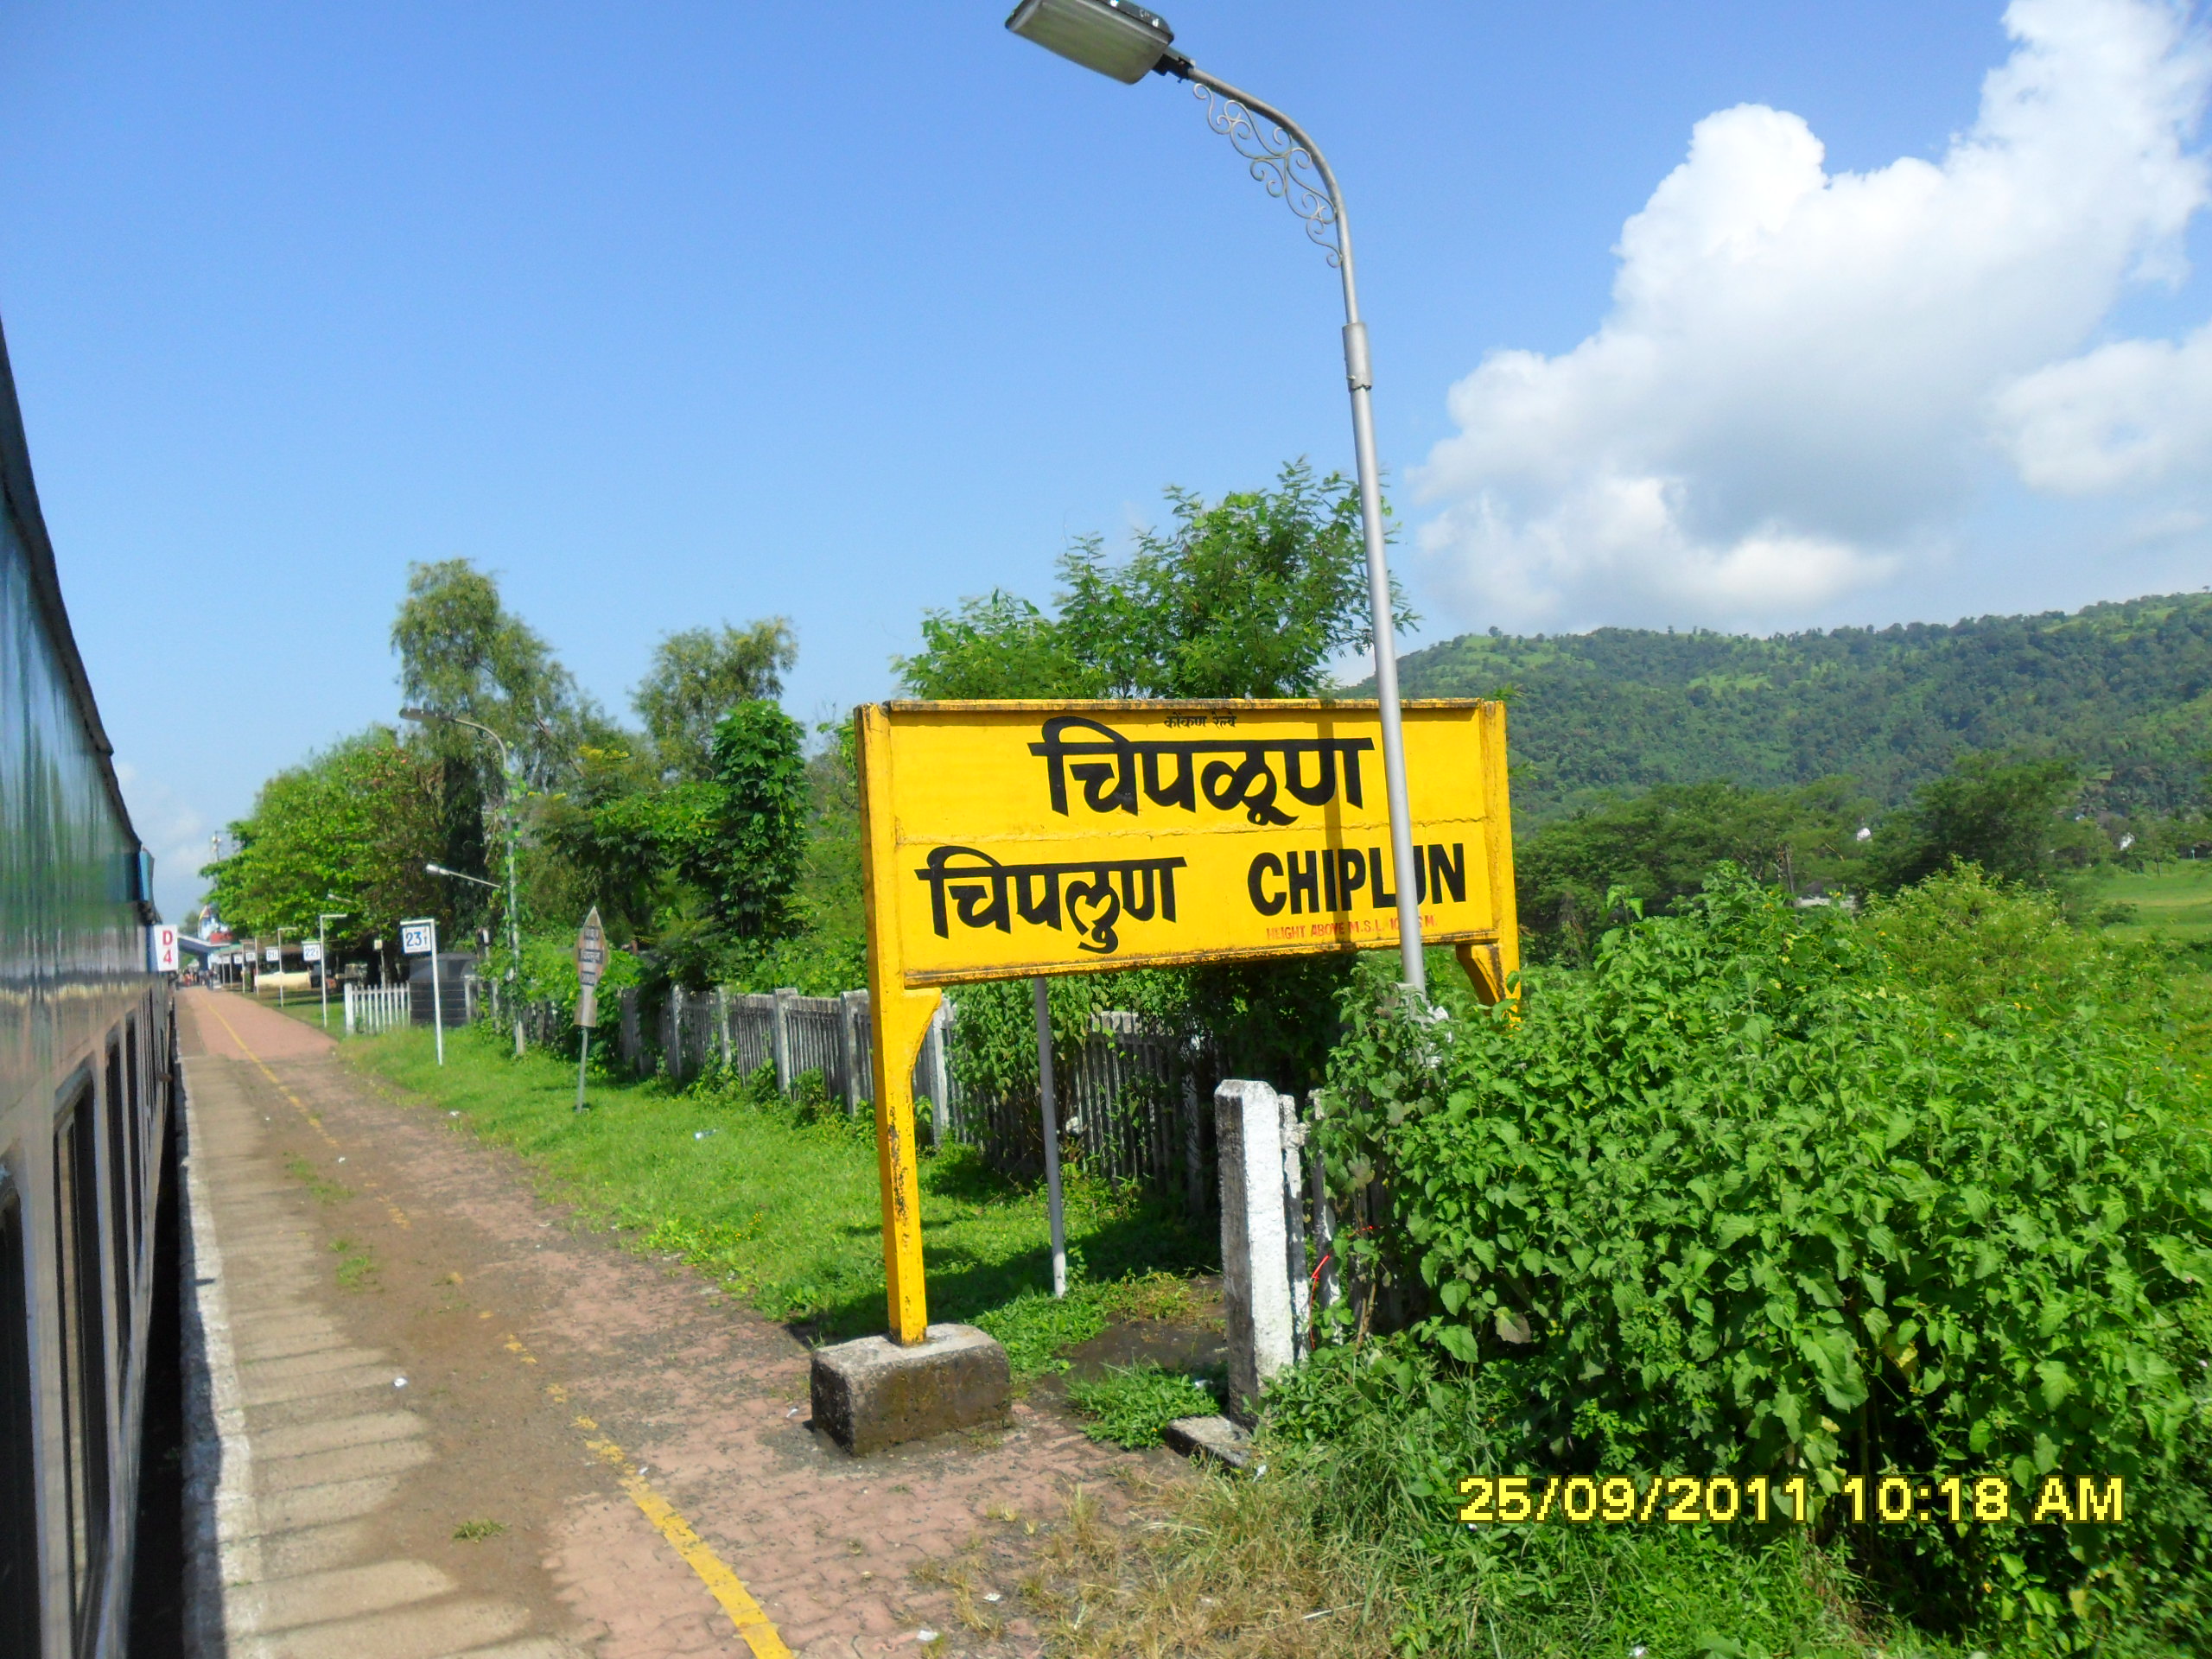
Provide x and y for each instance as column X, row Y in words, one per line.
column 709, row 1398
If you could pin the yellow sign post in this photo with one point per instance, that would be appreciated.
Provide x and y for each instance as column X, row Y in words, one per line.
column 1008, row 839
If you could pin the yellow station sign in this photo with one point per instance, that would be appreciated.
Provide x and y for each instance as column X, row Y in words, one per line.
column 1008, row 839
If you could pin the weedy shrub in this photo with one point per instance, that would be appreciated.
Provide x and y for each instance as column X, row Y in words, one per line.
column 1743, row 1198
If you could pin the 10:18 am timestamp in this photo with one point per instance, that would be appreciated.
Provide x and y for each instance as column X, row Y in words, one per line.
column 1531, row 1500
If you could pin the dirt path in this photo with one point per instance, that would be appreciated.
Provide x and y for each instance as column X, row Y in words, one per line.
column 642, row 1442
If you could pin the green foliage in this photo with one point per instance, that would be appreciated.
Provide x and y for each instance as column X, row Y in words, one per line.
column 2002, row 814
column 699, row 675
column 1978, row 948
column 704, row 869
column 758, row 848
column 2121, row 687
column 549, row 974
column 1253, row 596
column 1747, row 1196
column 348, row 831
column 1365, row 1448
column 1656, row 848
column 1132, row 1405
column 1036, row 1325
column 1036, row 1328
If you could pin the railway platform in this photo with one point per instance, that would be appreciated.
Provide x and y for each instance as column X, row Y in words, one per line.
column 431, row 1415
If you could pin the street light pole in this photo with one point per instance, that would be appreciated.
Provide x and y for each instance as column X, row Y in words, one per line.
column 1127, row 43
column 509, row 776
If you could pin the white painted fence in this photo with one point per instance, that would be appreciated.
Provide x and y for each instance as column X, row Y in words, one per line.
column 371, row 1008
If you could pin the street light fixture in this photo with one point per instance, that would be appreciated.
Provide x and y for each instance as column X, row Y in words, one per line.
column 460, row 875
column 425, row 716
column 1127, row 43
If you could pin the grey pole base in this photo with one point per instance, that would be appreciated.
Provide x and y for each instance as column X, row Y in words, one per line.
column 871, row 1394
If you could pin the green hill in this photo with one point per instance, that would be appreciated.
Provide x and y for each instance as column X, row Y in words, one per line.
column 2125, row 689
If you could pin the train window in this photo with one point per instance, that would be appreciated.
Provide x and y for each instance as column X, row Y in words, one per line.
column 121, row 1257
column 19, row 1583
column 84, row 1349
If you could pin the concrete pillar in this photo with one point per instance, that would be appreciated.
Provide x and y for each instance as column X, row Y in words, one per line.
column 1255, row 1276
column 940, row 1074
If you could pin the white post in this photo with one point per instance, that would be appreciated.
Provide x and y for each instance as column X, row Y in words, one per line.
column 940, row 1074
column 1255, row 1279
column 438, row 995
column 349, row 1007
column 1059, row 1219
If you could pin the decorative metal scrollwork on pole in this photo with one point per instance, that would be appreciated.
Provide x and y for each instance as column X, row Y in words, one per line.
column 1279, row 161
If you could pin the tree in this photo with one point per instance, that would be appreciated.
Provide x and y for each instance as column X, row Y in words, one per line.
column 462, row 652
column 1254, row 596
column 348, row 829
column 698, row 676
column 706, row 869
column 1998, row 813
column 1660, row 846
column 757, row 847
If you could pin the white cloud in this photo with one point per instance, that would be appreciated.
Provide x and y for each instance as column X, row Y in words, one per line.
column 1803, row 373
column 2127, row 416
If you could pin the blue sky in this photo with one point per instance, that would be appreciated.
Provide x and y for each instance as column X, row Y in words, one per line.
column 689, row 313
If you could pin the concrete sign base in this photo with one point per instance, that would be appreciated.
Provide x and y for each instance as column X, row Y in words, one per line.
column 872, row 1393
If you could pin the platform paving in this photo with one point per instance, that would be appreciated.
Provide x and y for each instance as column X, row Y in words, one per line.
column 435, row 1416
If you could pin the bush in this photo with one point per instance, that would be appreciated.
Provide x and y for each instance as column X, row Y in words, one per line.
column 1755, row 1196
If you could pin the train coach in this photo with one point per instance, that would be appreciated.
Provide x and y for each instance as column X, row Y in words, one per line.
column 87, row 1149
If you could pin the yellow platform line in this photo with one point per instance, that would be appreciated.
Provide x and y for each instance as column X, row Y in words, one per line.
column 752, row 1620
column 725, row 1586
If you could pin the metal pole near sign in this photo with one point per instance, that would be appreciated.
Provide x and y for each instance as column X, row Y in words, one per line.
column 591, row 964
column 1051, row 1107
column 416, row 938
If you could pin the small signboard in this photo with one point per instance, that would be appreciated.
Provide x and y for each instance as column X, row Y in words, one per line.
column 311, row 951
column 273, row 956
column 591, row 965
column 161, row 949
column 417, row 938
column 591, row 950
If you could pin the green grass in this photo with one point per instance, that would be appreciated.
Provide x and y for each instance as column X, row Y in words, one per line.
column 325, row 1192
column 2174, row 903
column 476, row 1532
column 357, row 1265
column 779, row 1204
column 1131, row 1405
